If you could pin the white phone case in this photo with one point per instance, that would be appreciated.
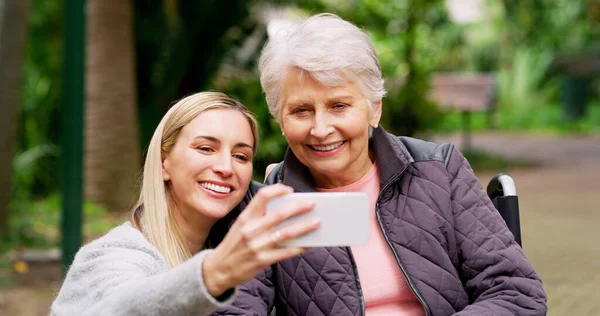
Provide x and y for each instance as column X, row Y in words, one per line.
column 344, row 218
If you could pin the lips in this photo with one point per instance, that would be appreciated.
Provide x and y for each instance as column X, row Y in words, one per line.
column 326, row 147
column 223, row 189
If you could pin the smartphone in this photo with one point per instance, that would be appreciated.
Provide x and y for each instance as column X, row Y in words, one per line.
column 344, row 218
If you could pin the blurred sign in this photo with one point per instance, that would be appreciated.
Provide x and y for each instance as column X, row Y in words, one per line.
column 466, row 11
column 463, row 92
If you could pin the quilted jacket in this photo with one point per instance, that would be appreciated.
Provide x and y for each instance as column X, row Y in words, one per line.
column 457, row 254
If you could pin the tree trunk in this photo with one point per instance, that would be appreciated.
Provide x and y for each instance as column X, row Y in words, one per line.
column 112, row 154
column 13, row 35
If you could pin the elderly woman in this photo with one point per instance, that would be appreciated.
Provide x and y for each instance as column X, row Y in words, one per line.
column 437, row 246
column 196, row 181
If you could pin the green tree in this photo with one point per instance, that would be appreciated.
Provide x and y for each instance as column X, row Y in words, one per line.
column 179, row 47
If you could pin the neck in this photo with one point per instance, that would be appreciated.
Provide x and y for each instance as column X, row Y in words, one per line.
column 194, row 229
column 356, row 171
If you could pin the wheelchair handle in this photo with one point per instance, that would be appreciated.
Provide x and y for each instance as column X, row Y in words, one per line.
column 501, row 184
column 503, row 193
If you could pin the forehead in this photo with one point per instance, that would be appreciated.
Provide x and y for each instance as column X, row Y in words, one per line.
column 225, row 124
column 301, row 87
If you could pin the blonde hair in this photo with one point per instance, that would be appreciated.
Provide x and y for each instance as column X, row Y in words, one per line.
column 153, row 213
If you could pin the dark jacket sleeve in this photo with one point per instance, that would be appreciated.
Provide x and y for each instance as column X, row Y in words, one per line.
column 496, row 273
column 254, row 297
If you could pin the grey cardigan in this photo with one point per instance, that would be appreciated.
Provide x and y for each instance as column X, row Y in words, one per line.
column 121, row 273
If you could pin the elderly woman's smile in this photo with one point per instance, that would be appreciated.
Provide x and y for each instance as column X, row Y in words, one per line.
column 327, row 149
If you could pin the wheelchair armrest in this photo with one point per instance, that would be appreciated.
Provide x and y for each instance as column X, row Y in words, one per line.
column 503, row 193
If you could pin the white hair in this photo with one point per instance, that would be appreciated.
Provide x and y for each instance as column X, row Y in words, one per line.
column 327, row 48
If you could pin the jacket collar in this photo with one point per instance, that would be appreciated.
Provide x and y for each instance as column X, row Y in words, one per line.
column 392, row 158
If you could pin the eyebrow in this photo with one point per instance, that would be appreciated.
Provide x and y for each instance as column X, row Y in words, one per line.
column 216, row 140
column 299, row 102
column 341, row 98
column 334, row 98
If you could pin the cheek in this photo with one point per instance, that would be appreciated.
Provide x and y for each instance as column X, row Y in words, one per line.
column 296, row 130
column 189, row 167
column 244, row 173
column 356, row 124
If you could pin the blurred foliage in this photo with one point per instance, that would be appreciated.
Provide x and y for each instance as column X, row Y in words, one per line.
column 38, row 223
column 38, row 136
column 185, row 46
column 546, row 119
column 525, row 87
column 179, row 47
column 484, row 161
column 37, row 154
column 555, row 25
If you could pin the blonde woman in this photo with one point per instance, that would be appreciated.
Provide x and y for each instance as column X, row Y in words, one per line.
column 196, row 182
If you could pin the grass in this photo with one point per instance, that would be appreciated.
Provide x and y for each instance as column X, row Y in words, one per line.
column 36, row 224
column 484, row 161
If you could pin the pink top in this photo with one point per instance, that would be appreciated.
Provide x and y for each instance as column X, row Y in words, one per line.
column 384, row 287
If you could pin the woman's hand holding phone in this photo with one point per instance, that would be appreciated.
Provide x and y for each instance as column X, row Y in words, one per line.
column 251, row 244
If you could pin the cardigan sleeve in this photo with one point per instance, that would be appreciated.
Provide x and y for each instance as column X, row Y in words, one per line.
column 125, row 275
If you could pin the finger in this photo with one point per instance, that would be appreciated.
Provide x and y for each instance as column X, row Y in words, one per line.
column 254, row 226
column 294, row 231
column 273, row 239
column 264, row 224
column 279, row 254
column 285, row 212
column 263, row 196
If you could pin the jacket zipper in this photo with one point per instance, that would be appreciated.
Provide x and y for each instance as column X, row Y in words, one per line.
column 361, row 297
column 402, row 268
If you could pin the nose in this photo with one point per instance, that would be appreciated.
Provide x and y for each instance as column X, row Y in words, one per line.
column 222, row 165
column 321, row 126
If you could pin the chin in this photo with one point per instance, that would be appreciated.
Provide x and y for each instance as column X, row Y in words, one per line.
column 215, row 210
column 328, row 168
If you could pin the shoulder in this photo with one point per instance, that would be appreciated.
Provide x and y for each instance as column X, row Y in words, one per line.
column 418, row 150
column 254, row 187
column 123, row 254
column 123, row 243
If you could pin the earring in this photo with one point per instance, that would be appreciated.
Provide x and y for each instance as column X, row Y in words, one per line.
column 282, row 133
column 375, row 125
